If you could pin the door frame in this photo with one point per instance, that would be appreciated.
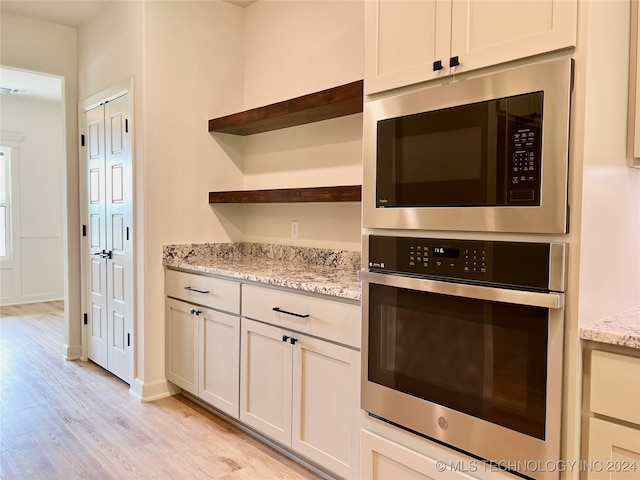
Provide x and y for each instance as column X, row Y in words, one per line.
column 111, row 93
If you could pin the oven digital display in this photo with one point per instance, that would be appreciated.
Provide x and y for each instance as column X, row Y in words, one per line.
column 446, row 252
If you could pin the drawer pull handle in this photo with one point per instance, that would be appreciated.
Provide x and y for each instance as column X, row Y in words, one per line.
column 191, row 289
column 278, row 309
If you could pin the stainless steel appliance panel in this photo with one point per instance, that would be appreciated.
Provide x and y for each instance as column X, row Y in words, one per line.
column 553, row 78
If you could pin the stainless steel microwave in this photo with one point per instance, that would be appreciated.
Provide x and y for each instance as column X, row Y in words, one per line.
column 486, row 154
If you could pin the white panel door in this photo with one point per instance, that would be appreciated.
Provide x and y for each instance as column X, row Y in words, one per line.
column 118, row 219
column 109, row 262
column 326, row 404
column 614, row 451
column 403, row 40
column 496, row 31
column 182, row 344
column 219, row 364
column 265, row 380
column 96, row 237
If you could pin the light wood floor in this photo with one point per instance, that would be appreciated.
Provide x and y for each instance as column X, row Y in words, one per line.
column 69, row 420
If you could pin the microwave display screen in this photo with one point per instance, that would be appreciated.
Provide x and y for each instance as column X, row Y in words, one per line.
column 482, row 154
column 446, row 252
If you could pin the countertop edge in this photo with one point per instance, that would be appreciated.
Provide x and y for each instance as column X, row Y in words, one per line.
column 337, row 292
column 622, row 329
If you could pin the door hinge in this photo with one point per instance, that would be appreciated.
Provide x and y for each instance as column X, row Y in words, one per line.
column 82, row 140
column 128, row 339
column 84, row 230
column 126, row 125
column 85, row 318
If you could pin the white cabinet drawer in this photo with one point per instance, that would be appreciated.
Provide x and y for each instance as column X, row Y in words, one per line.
column 325, row 318
column 202, row 290
column 615, row 385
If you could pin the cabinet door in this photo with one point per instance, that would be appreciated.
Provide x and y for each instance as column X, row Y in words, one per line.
column 496, row 31
column 265, row 380
column 220, row 361
column 182, row 345
column 383, row 459
column 403, row 38
column 326, row 404
column 614, row 451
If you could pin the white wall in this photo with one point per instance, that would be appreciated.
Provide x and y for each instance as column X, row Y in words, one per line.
column 610, row 233
column 37, row 270
column 182, row 76
column 292, row 49
column 193, row 66
column 189, row 64
column 45, row 47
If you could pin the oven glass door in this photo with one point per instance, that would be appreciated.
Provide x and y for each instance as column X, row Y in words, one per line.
column 484, row 358
column 482, row 154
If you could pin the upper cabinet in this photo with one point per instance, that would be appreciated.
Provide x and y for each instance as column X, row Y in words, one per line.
column 414, row 41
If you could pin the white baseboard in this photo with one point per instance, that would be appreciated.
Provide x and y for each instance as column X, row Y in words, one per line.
column 148, row 392
column 72, row 352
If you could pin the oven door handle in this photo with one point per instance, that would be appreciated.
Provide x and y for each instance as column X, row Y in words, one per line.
column 494, row 294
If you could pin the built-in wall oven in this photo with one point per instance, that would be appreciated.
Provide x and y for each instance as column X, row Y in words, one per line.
column 483, row 153
column 462, row 343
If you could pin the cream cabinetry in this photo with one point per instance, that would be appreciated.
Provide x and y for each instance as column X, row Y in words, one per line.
column 301, row 390
column 388, row 453
column 386, row 460
column 414, row 41
column 613, row 403
column 203, row 344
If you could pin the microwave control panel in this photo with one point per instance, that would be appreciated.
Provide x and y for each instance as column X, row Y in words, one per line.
column 525, row 166
column 507, row 263
column 524, row 152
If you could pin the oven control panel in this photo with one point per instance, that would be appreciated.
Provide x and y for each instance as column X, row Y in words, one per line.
column 508, row 263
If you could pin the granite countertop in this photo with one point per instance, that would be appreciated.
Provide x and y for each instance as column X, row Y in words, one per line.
column 620, row 329
column 314, row 270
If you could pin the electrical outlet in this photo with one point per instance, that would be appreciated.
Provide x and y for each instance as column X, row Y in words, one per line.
column 294, row 229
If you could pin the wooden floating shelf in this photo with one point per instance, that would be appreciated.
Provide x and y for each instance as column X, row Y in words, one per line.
column 331, row 103
column 349, row 193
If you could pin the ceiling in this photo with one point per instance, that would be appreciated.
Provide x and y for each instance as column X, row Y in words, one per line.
column 71, row 13
column 30, row 85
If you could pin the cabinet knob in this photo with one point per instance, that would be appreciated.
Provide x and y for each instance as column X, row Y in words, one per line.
column 293, row 341
column 437, row 65
column 193, row 311
column 454, row 61
column 285, row 338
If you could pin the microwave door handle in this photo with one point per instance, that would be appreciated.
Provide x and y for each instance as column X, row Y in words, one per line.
column 535, row 299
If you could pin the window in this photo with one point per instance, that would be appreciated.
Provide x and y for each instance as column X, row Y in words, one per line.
column 5, row 202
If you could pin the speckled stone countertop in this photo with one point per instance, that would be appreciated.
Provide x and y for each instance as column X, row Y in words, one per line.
column 620, row 329
column 327, row 272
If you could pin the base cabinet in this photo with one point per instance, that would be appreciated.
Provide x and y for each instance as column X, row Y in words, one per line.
column 302, row 392
column 203, row 353
column 614, row 451
column 181, row 348
column 383, row 459
column 219, row 361
column 613, row 403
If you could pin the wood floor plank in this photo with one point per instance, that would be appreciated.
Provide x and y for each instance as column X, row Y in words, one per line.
column 72, row 420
